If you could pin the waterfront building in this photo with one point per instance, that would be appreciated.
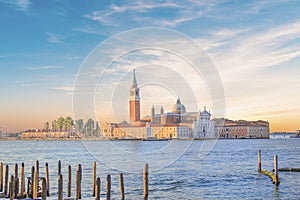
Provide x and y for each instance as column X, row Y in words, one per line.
column 241, row 129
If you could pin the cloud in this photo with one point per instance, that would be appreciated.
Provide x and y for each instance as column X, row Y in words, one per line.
column 139, row 12
column 53, row 38
column 90, row 30
column 68, row 89
column 22, row 5
column 46, row 67
column 240, row 49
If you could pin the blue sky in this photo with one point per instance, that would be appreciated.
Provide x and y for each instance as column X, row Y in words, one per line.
column 255, row 45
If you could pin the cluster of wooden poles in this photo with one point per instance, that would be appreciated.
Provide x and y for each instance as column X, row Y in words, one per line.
column 273, row 176
column 39, row 186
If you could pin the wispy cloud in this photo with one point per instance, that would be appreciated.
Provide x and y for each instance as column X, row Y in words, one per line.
column 22, row 5
column 90, row 30
column 186, row 11
column 46, row 67
column 68, row 89
column 53, row 38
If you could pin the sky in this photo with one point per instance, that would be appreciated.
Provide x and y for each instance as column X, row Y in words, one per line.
column 254, row 46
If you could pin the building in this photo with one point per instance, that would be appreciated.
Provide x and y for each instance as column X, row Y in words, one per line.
column 178, row 123
column 241, row 129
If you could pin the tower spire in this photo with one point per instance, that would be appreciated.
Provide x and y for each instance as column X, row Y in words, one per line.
column 134, row 83
column 134, row 101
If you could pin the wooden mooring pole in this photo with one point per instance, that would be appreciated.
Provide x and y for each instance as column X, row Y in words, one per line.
column 94, row 178
column 146, row 173
column 59, row 168
column 35, row 185
column 12, row 188
column 1, row 176
column 44, row 189
column 78, row 183
column 47, row 179
column 259, row 161
column 69, row 180
column 108, row 187
column 16, row 189
column 22, row 177
column 276, row 179
column 6, row 179
column 97, row 190
column 80, row 179
column 122, row 195
column 60, row 187
column 37, row 168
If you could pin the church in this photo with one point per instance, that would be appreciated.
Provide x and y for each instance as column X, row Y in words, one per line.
column 176, row 124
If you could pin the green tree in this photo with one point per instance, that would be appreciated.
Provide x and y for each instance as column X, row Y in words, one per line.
column 47, row 126
column 60, row 123
column 68, row 123
column 54, row 125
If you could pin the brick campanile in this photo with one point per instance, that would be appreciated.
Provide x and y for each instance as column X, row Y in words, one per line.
column 134, row 101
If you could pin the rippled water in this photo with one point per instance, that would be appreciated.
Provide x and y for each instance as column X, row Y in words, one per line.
column 229, row 171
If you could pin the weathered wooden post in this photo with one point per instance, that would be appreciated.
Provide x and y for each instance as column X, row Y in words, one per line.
column 60, row 187
column 6, row 180
column 80, row 179
column 69, row 180
column 37, row 168
column 97, row 190
column 44, row 189
column 276, row 180
column 11, row 188
column 122, row 195
column 47, row 179
column 146, row 181
column 59, row 167
column 35, row 185
column 259, row 161
column 16, row 189
column 32, row 180
column 78, row 185
column 1, row 176
column 22, row 191
column 94, row 178
column 108, row 187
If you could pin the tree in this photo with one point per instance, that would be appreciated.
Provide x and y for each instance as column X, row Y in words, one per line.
column 68, row 123
column 89, row 126
column 47, row 126
column 54, row 125
column 79, row 125
column 97, row 131
column 60, row 123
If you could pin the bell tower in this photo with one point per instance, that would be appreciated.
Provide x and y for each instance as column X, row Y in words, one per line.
column 134, row 101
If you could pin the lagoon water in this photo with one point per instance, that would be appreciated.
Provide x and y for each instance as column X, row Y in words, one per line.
column 183, row 171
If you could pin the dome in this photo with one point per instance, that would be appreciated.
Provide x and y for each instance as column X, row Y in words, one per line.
column 178, row 108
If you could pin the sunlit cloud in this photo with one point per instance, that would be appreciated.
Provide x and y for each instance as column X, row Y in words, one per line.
column 67, row 89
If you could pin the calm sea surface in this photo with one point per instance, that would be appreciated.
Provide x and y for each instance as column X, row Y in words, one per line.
column 183, row 171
